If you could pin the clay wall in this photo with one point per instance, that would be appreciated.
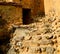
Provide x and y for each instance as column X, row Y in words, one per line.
column 38, row 7
column 11, row 13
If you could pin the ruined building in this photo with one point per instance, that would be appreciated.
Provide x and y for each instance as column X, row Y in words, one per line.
column 21, row 11
column 17, row 12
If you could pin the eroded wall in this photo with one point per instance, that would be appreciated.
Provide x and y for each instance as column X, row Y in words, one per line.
column 38, row 7
column 26, row 3
column 11, row 14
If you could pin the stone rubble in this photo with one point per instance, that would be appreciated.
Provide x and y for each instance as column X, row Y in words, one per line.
column 41, row 37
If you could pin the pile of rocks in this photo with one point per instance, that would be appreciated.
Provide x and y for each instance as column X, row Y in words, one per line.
column 42, row 37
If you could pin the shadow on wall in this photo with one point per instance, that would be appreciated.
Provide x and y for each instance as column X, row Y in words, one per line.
column 4, row 36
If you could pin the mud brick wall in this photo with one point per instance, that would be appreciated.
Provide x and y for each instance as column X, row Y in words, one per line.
column 12, row 14
column 38, row 7
column 26, row 4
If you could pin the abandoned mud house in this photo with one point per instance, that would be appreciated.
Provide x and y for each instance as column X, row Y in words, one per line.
column 21, row 11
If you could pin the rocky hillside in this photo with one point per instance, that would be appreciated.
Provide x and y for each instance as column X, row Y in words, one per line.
column 41, row 37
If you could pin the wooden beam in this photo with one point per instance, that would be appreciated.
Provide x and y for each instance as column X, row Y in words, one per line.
column 11, row 4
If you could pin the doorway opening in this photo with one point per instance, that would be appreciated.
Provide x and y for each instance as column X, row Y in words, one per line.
column 26, row 16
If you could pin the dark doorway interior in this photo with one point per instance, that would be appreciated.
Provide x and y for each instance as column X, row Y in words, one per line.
column 26, row 16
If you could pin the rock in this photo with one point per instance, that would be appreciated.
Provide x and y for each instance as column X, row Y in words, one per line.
column 51, row 42
column 11, row 51
column 45, row 42
column 28, row 38
column 19, row 44
column 42, row 37
column 49, row 37
column 55, row 41
column 50, row 50
column 43, row 49
column 58, row 49
column 54, row 37
column 39, row 38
